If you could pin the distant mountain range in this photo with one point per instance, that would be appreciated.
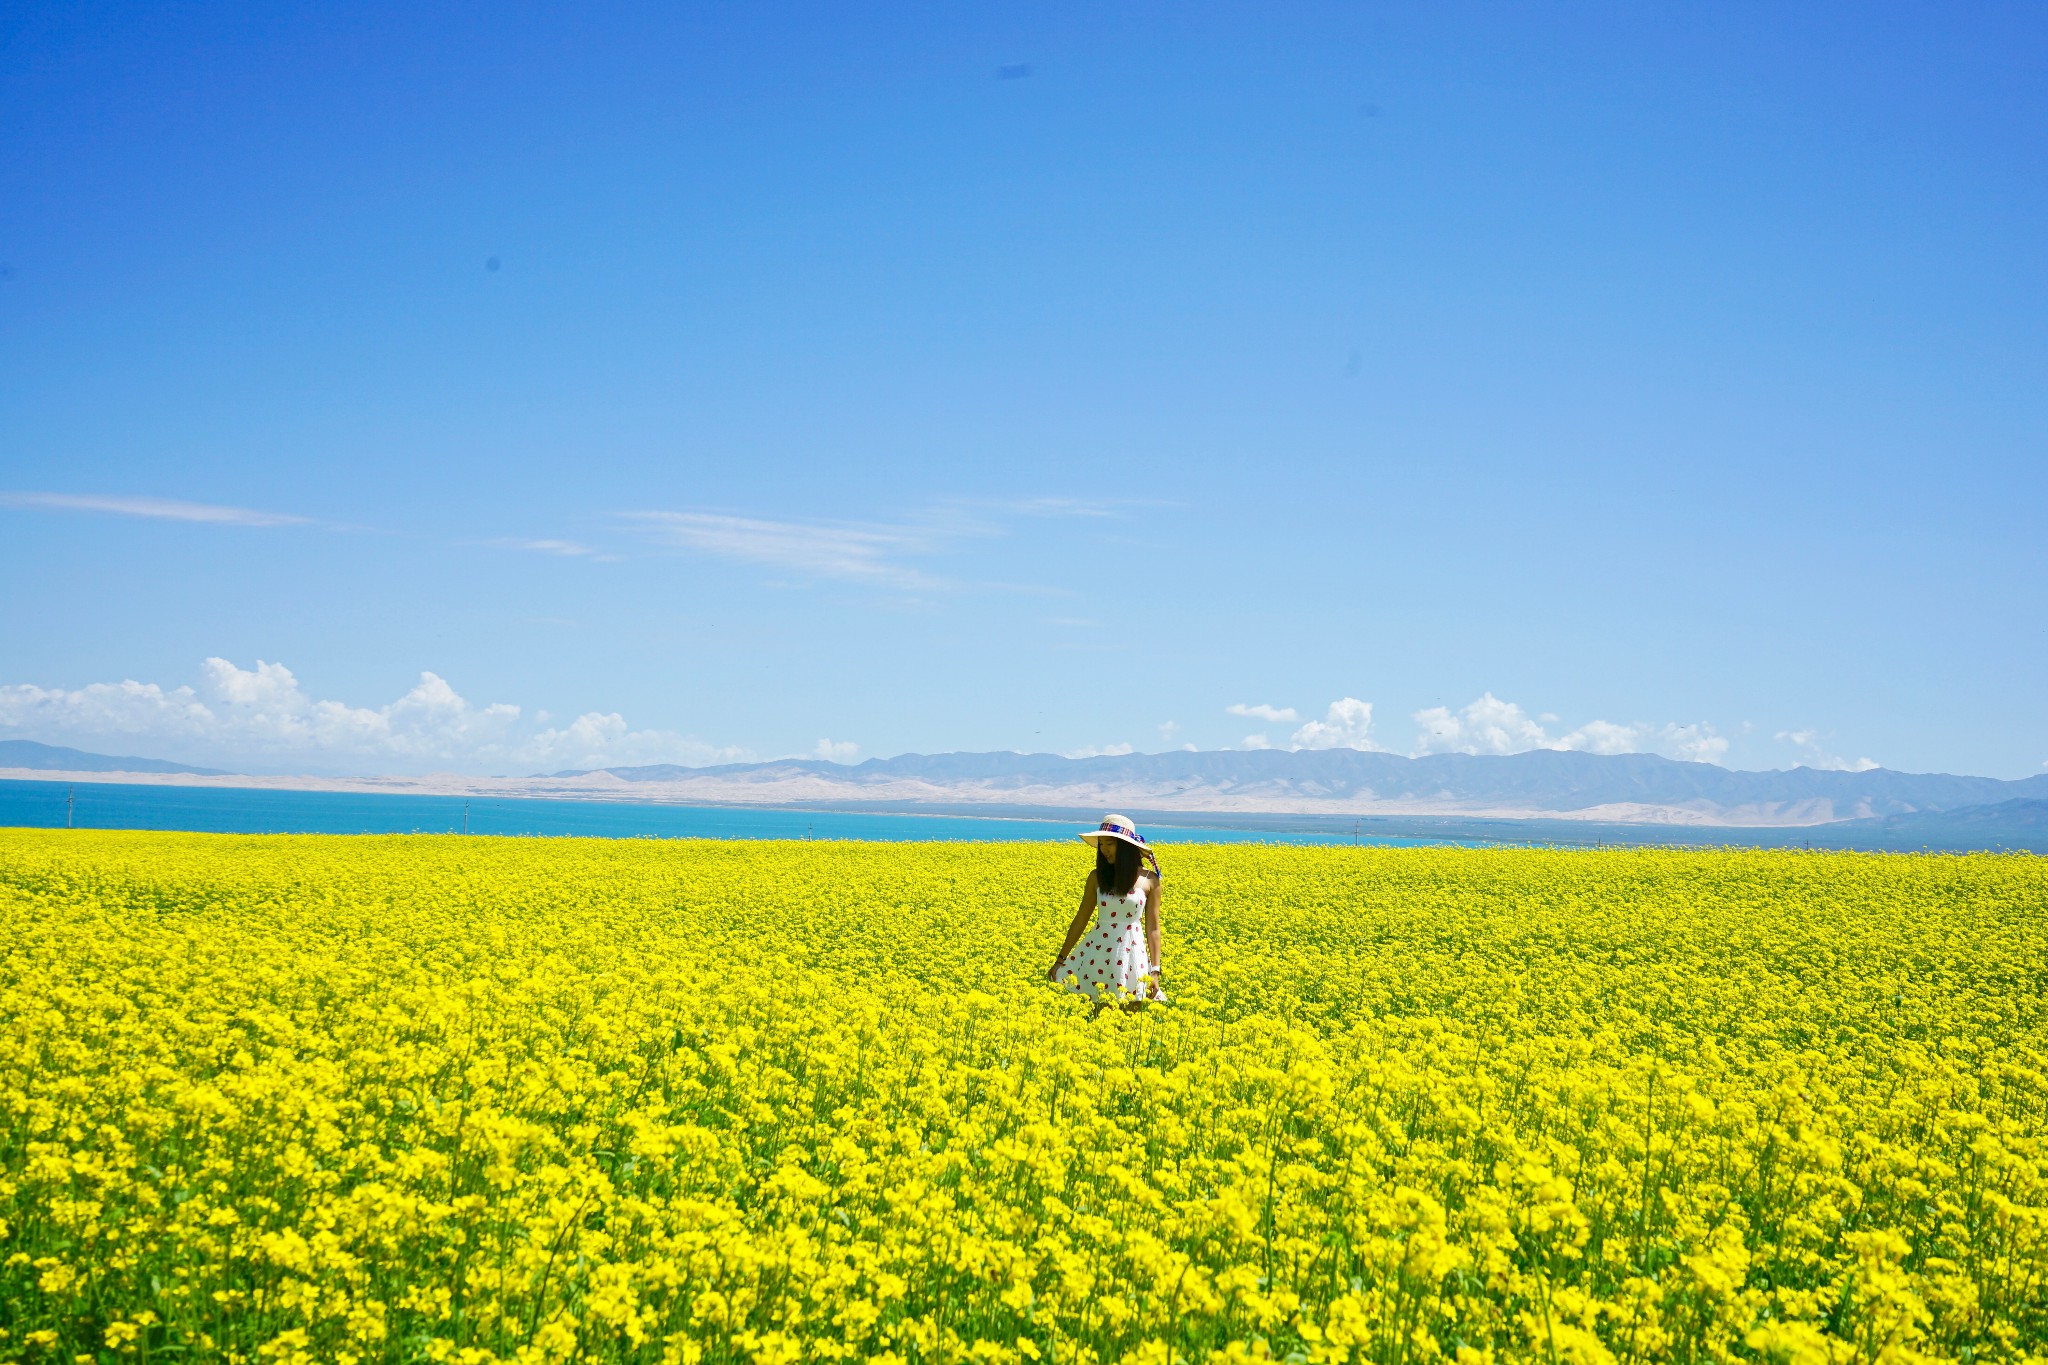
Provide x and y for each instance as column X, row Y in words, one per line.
column 1544, row 794
column 1623, row 788
column 2008, row 824
column 26, row 753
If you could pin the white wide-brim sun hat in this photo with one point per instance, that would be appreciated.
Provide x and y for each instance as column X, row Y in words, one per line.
column 1116, row 827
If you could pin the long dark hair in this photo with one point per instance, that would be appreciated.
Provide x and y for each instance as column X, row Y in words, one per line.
column 1117, row 864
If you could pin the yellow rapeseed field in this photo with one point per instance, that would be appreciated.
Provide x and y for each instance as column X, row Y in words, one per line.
column 349, row 1099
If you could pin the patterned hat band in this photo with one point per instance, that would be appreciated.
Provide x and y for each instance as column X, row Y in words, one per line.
column 1116, row 827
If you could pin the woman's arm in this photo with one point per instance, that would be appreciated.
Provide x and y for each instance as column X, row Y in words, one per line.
column 1074, row 930
column 1152, row 940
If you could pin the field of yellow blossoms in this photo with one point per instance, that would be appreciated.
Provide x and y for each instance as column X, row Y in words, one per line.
column 307, row 1098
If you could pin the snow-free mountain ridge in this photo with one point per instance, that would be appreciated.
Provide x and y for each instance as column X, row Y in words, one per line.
column 1625, row 787
column 1544, row 786
column 26, row 753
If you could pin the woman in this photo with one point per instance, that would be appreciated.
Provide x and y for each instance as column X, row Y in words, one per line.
column 1119, row 960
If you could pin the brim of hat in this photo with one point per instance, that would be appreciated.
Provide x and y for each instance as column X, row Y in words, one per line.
column 1091, row 835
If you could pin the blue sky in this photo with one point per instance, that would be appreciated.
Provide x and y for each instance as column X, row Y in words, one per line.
column 720, row 380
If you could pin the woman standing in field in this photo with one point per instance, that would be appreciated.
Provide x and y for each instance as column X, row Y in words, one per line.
column 1119, row 960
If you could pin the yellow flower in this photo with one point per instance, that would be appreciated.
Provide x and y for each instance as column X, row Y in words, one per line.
column 284, row 1099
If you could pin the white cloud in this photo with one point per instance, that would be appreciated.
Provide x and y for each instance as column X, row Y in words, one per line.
column 1051, row 506
column 1256, row 742
column 1169, row 728
column 835, row 752
column 862, row 553
column 1104, row 751
column 123, row 708
column 263, row 716
column 567, row 549
column 1274, row 715
column 1489, row 725
column 881, row 554
column 161, row 509
column 1692, row 743
column 1346, row 725
column 1486, row 726
column 1812, row 755
column 1048, row 507
column 1604, row 737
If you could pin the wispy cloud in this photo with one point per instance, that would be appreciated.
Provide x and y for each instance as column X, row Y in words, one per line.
column 566, row 549
column 869, row 554
column 161, row 509
column 1813, row 755
column 1059, row 507
column 264, row 714
column 1053, row 506
column 836, row 751
column 1274, row 715
column 879, row 553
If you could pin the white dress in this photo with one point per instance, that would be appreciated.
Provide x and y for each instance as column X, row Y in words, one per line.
column 1113, row 956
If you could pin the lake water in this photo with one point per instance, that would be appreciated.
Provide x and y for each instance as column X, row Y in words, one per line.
column 249, row 810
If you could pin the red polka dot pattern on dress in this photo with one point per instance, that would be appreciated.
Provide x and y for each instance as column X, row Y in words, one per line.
column 1113, row 959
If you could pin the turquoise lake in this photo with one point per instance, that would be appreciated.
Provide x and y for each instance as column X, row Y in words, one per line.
column 255, row 810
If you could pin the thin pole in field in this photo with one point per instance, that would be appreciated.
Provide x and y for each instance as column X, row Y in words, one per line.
column 465, row 817
column 70, row 795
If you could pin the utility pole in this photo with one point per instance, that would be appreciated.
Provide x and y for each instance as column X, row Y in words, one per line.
column 70, row 795
column 465, row 818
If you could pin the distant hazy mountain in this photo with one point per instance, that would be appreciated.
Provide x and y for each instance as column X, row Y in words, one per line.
column 2020, row 824
column 1626, row 787
column 26, row 753
column 1640, row 790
